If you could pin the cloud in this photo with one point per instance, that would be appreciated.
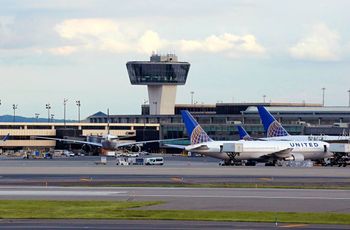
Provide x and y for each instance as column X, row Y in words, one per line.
column 110, row 36
column 150, row 41
column 5, row 32
column 224, row 43
column 94, row 34
column 63, row 50
column 321, row 44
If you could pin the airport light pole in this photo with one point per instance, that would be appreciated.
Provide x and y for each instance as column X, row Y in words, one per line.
column 48, row 107
column 14, row 106
column 192, row 92
column 78, row 104
column 323, row 93
column 64, row 111
column 264, row 98
column 348, row 92
column 37, row 116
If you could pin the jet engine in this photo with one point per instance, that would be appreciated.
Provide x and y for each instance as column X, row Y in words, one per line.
column 135, row 148
column 295, row 157
column 86, row 148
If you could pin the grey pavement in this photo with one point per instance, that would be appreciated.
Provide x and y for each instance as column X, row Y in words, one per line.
column 152, row 224
column 290, row 200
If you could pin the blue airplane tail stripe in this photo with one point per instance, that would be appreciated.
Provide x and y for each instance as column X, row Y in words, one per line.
column 243, row 135
column 5, row 138
column 195, row 132
column 271, row 126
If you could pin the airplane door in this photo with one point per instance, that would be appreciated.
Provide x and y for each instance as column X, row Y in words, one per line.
column 325, row 148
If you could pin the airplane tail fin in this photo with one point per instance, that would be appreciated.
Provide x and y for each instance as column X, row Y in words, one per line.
column 243, row 135
column 6, row 137
column 195, row 132
column 271, row 126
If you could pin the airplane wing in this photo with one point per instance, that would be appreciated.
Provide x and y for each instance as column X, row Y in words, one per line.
column 280, row 154
column 71, row 141
column 176, row 146
column 197, row 147
column 145, row 142
column 189, row 147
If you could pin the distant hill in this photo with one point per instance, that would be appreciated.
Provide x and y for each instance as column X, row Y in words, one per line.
column 9, row 118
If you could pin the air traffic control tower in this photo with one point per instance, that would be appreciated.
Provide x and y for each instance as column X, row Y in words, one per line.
column 161, row 74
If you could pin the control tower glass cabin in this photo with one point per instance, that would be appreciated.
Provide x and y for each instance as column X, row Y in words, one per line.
column 161, row 75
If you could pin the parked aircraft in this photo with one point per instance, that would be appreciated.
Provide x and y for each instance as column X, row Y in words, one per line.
column 275, row 131
column 252, row 151
column 108, row 144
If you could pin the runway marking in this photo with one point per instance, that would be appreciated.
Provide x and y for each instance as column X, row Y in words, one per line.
column 266, row 178
column 242, row 197
column 61, row 193
column 137, row 193
column 293, row 225
column 177, row 179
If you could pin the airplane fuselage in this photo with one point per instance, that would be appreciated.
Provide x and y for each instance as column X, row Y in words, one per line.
column 255, row 150
column 325, row 138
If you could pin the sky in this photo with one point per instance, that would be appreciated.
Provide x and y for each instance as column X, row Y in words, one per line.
column 239, row 50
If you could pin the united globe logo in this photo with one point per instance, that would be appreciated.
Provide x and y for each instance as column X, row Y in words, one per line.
column 276, row 130
column 198, row 135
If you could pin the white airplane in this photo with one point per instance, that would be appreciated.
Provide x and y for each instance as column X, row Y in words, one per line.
column 275, row 131
column 253, row 151
column 108, row 144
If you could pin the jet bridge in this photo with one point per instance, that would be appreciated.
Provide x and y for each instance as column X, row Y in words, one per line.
column 341, row 154
column 232, row 150
column 232, row 147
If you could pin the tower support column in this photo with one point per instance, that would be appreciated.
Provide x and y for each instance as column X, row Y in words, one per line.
column 161, row 99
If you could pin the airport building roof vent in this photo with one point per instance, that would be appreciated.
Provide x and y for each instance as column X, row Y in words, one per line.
column 163, row 58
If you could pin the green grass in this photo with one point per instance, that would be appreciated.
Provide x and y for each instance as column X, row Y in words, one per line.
column 66, row 209
column 15, row 209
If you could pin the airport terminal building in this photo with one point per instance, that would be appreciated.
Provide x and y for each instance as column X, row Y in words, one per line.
column 160, row 118
column 219, row 120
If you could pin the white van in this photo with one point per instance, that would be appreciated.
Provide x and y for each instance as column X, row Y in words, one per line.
column 154, row 161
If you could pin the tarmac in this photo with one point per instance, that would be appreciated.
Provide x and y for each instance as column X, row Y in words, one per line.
column 272, row 200
column 153, row 224
column 48, row 179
